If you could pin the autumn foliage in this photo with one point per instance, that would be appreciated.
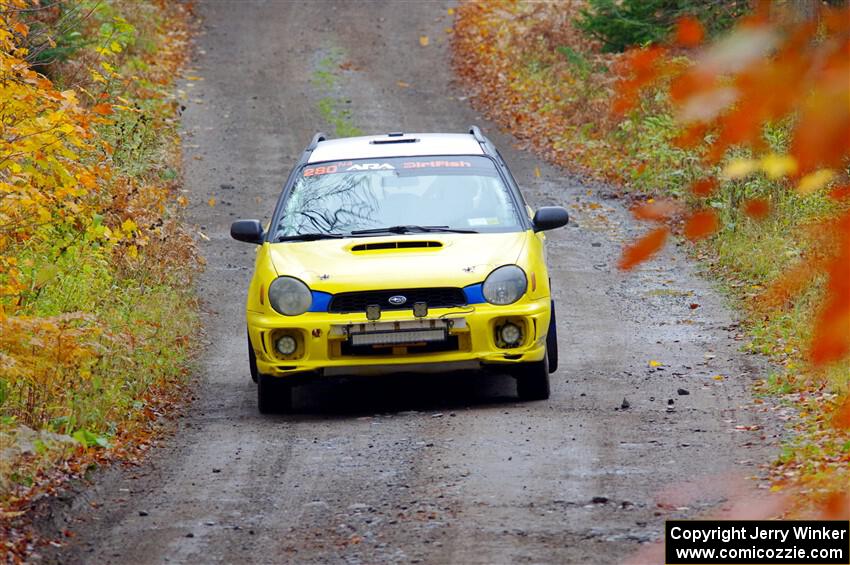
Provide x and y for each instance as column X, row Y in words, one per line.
column 764, row 71
column 95, row 310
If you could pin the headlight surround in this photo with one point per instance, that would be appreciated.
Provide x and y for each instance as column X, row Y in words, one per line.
column 289, row 296
column 505, row 285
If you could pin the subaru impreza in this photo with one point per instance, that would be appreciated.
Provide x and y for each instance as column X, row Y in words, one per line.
column 400, row 253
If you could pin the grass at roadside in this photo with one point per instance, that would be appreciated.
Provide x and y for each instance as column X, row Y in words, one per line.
column 331, row 106
column 552, row 87
column 97, row 309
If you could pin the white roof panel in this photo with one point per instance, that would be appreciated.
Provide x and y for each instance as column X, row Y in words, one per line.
column 425, row 144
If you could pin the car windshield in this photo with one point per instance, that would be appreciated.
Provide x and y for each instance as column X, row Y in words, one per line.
column 406, row 194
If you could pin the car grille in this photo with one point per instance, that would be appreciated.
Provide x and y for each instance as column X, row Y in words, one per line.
column 434, row 297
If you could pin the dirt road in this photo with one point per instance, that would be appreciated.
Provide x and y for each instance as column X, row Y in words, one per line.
column 432, row 469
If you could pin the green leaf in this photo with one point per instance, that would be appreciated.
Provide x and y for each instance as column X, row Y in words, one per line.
column 89, row 439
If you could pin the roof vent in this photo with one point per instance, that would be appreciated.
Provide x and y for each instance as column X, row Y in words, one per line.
column 394, row 140
column 395, row 134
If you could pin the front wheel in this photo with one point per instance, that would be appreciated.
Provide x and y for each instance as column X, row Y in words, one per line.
column 274, row 395
column 532, row 380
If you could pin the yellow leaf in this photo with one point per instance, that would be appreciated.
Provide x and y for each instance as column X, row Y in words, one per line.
column 211, row 202
column 537, row 172
column 450, row 11
column 402, row 84
column 129, row 226
column 133, row 251
column 423, row 40
column 115, row 47
column 777, row 166
column 654, row 363
column 814, row 181
column 183, row 201
column 739, row 168
column 718, row 377
column 44, row 274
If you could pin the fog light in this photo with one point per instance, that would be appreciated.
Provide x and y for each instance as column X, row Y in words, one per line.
column 510, row 334
column 286, row 345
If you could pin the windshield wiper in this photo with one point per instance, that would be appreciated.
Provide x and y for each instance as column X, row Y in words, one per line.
column 309, row 236
column 411, row 229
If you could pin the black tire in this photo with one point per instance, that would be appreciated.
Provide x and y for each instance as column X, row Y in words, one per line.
column 552, row 341
column 252, row 361
column 274, row 395
column 532, row 380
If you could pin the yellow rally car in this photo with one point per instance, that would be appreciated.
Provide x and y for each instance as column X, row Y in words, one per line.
column 399, row 253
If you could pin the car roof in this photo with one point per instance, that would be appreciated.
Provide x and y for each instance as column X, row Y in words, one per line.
column 396, row 145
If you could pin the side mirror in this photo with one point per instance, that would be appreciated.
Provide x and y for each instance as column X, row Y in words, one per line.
column 550, row 217
column 249, row 231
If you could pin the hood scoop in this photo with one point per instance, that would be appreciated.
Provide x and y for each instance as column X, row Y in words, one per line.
column 394, row 245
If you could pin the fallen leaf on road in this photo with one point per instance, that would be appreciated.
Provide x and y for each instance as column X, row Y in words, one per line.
column 423, row 40
column 211, row 202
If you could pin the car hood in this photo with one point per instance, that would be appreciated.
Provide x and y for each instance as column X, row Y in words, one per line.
column 398, row 261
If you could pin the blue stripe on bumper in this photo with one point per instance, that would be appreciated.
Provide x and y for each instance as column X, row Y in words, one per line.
column 321, row 300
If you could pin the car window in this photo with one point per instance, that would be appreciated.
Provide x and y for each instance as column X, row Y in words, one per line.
column 459, row 192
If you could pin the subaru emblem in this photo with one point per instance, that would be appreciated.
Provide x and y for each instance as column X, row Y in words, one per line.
column 397, row 300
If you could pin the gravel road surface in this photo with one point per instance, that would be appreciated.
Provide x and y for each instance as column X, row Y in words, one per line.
column 433, row 469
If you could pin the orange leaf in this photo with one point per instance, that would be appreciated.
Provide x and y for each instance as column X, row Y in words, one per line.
column 656, row 210
column 689, row 32
column 643, row 249
column 790, row 283
column 837, row 504
column 704, row 187
column 831, row 339
column 21, row 28
column 757, row 208
column 841, row 419
column 103, row 109
column 840, row 193
column 693, row 136
column 701, row 224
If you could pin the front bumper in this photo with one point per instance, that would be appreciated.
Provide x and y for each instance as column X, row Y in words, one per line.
column 322, row 340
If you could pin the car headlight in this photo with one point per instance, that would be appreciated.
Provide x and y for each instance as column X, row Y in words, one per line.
column 289, row 296
column 505, row 285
